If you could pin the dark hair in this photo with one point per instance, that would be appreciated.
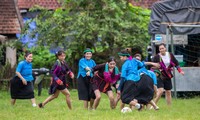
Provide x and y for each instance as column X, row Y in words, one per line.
column 111, row 58
column 137, row 55
column 136, row 50
column 161, row 45
column 27, row 53
column 124, row 53
column 60, row 52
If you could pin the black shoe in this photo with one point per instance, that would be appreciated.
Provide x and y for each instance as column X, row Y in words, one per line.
column 40, row 105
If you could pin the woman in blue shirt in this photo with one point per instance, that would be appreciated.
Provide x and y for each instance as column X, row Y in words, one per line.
column 85, row 92
column 21, row 84
column 135, row 89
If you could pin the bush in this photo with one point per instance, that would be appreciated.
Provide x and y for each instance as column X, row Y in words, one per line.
column 41, row 57
column 7, row 72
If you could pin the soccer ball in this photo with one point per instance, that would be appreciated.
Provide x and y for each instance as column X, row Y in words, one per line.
column 126, row 109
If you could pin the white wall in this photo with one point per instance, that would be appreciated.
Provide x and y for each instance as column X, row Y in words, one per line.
column 11, row 56
column 190, row 81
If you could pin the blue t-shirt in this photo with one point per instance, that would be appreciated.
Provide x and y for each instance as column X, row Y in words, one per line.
column 83, row 63
column 25, row 69
column 130, row 70
column 150, row 73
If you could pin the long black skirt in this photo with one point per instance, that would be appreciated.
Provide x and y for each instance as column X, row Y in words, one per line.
column 141, row 90
column 85, row 91
column 20, row 91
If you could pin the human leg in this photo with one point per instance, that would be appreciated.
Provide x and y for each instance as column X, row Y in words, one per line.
column 68, row 100
column 111, row 98
column 135, row 103
column 13, row 101
column 33, row 102
column 154, row 105
column 51, row 97
column 168, row 97
column 168, row 87
column 159, row 94
column 97, row 99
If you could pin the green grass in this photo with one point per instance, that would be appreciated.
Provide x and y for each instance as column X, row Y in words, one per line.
column 181, row 109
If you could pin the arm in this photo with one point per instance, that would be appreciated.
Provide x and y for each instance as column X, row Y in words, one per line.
column 156, row 59
column 20, row 76
column 121, row 84
column 83, row 65
column 70, row 73
column 177, row 64
column 54, row 72
column 98, row 67
column 155, row 65
column 18, row 70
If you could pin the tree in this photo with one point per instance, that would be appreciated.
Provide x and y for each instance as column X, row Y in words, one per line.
column 103, row 25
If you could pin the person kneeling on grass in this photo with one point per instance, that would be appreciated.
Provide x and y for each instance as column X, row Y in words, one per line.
column 135, row 89
column 58, row 83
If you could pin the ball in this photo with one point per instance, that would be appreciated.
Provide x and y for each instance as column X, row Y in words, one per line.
column 126, row 109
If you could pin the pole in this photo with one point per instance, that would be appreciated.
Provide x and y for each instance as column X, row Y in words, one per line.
column 153, row 46
column 172, row 50
column 167, row 37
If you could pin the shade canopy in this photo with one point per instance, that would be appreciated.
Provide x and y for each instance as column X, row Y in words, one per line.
column 169, row 12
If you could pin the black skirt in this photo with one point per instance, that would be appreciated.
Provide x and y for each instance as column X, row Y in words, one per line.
column 141, row 90
column 100, row 84
column 85, row 91
column 54, row 86
column 20, row 91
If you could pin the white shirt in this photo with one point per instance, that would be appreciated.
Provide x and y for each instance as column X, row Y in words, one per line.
column 166, row 59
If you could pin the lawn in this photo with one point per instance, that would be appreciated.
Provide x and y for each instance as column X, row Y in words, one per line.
column 181, row 109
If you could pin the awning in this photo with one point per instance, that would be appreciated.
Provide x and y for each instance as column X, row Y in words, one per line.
column 184, row 12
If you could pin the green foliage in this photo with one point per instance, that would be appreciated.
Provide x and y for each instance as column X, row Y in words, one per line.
column 41, row 57
column 2, row 50
column 106, row 26
column 7, row 72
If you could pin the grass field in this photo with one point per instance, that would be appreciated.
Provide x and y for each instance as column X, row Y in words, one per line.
column 181, row 109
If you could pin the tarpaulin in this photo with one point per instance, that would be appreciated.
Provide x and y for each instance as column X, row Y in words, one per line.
column 183, row 12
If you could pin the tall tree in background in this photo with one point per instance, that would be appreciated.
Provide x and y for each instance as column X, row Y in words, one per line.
column 103, row 25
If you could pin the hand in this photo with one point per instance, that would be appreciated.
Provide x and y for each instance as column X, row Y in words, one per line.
column 118, row 92
column 117, row 85
column 157, row 65
column 71, row 74
column 24, row 82
column 87, row 69
column 88, row 73
column 182, row 73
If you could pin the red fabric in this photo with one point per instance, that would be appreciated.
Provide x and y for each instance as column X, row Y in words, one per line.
column 179, row 70
column 59, row 82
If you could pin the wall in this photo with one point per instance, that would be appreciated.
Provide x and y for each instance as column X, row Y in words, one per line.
column 190, row 81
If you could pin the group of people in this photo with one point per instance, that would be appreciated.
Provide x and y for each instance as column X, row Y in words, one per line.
column 135, row 85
